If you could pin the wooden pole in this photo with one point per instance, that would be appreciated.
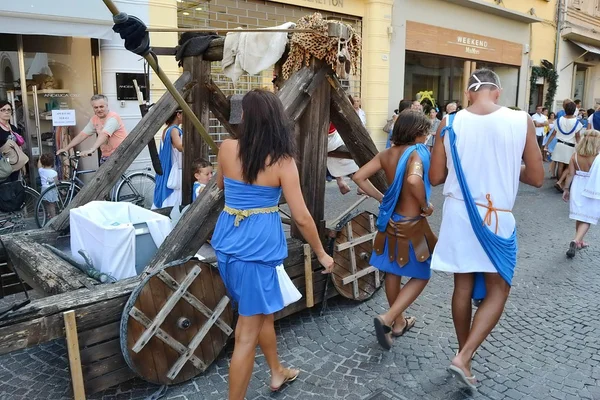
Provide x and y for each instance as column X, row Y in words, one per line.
column 109, row 173
column 220, row 107
column 152, row 143
column 74, row 356
column 355, row 136
column 312, row 155
column 194, row 146
column 466, row 75
column 308, row 276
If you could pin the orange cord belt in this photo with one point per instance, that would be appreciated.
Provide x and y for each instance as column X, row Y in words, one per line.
column 487, row 219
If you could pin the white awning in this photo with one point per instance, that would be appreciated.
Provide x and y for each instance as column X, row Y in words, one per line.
column 74, row 18
column 587, row 47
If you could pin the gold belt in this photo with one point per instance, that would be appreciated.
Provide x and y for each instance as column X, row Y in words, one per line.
column 241, row 214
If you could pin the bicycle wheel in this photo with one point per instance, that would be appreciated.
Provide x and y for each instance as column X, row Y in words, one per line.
column 53, row 200
column 136, row 188
column 22, row 220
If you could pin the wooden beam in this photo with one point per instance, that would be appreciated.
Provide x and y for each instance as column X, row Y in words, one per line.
column 354, row 242
column 198, row 222
column 356, row 137
column 312, row 144
column 74, row 356
column 358, row 275
column 308, row 276
column 194, row 146
column 109, row 173
column 220, row 107
column 40, row 236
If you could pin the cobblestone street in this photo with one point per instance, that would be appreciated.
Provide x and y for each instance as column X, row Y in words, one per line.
column 546, row 346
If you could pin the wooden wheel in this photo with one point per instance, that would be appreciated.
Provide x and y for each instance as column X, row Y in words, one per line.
column 353, row 277
column 176, row 323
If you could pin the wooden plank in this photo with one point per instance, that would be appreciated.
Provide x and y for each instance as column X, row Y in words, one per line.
column 108, row 380
column 312, row 145
column 101, row 351
column 198, row 338
column 40, row 236
column 372, row 228
column 109, row 173
column 340, row 154
column 194, row 146
column 166, row 338
column 355, row 136
column 352, row 260
column 221, row 108
column 99, row 334
column 167, row 307
column 74, row 357
column 194, row 302
column 354, row 242
column 308, row 276
column 103, row 367
column 358, row 275
column 298, row 306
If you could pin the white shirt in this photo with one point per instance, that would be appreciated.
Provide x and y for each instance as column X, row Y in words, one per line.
column 47, row 177
column 540, row 118
column 591, row 122
column 362, row 116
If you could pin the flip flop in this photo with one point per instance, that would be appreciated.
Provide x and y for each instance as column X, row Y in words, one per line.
column 382, row 333
column 572, row 249
column 558, row 187
column 460, row 375
column 288, row 379
column 410, row 322
column 582, row 245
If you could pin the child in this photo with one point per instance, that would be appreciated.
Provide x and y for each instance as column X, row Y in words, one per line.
column 402, row 221
column 48, row 177
column 203, row 172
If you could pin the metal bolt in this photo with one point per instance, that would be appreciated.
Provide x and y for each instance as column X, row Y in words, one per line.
column 184, row 323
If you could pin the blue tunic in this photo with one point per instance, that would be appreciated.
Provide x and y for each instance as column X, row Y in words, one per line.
column 248, row 254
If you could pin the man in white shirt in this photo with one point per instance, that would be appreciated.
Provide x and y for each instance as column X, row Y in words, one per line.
column 540, row 121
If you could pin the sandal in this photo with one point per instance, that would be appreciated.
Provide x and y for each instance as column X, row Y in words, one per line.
column 460, row 375
column 382, row 332
column 582, row 245
column 572, row 249
column 288, row 379
column 558, row 187
column 410, row 322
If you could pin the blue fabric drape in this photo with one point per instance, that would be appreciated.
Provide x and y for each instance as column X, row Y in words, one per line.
column 501, row 252
column 161, row 191
column 390, row 198
column 571, row 131
column 596, row 120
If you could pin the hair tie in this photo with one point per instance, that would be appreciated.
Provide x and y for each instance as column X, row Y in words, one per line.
column 478, row 84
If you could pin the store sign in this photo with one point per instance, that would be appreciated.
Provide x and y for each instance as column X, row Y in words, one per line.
column 448, row 42
column 125, row 87
column 331, row 3
column 63, row 118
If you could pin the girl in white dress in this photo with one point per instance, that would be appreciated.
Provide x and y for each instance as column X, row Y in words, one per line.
column 582, row 188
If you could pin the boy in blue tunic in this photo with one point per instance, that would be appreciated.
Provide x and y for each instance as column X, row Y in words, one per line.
column 404, row 243
column 203, row 172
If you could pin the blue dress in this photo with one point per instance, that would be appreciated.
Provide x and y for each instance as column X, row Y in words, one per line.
column 249, row 248
column 413, row 269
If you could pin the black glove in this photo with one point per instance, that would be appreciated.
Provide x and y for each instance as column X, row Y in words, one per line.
column 133, row 31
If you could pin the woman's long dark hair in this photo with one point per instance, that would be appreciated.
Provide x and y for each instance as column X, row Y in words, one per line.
column 265, row 133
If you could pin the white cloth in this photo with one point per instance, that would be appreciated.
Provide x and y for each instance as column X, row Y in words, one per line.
column 562, row 152
column 338, row 166
column 581, row 207
column 591, row 122
column 47, row 177
column 289, row 292
column 105, row 230
column 540, row 118
column 490, row 148
column 592, row 188
column 362, row 116
column 253, row 52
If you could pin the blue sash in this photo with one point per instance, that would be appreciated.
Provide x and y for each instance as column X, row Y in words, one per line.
column 567, row 133
column 392, row 194
column 596, row 120
column 161, row 191
column 501, row 252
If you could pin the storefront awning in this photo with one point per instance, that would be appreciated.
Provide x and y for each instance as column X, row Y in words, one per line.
column 587, row 47
column 74, row 18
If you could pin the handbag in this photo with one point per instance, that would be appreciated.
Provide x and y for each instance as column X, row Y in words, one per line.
column 12, row 196
column 174, row 180
column 18, row 139
column 15, row 156
column 389, row 125
column 5, row 169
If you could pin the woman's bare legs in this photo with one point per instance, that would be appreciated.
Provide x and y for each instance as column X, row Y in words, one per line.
column 393, row 284
column 487, row 316
column 581, row 228
column 268, row 344
column 406, row 296
column 242, row 362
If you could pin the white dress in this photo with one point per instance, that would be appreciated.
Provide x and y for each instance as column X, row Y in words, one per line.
column 584, row 205
column 563, row 152
column 490, row 148
column 174, row 198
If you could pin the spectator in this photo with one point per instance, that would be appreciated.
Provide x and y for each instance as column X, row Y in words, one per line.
column 167, row 191
column 203, row 172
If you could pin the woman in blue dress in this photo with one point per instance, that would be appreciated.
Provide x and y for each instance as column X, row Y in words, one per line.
column 249, row 240
column 404, row 241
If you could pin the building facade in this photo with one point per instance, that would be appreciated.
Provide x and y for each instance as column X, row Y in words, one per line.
column 579, row 52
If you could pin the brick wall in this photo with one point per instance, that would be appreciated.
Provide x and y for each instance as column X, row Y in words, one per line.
column 230, row 14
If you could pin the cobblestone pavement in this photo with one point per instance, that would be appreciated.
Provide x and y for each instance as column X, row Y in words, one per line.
column 546, row 345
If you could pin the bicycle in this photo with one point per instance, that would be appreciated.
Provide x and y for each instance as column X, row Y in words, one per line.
column 17, row 218
column 135, row 187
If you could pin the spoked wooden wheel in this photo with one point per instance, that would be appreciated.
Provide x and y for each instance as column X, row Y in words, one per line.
column 353, row 276
column 176, row 323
